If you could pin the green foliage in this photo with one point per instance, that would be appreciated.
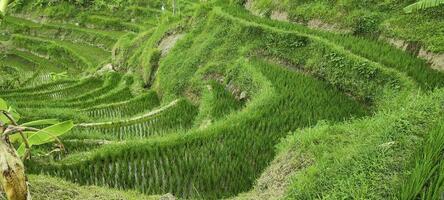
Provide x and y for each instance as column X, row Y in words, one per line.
column 257, row 125
column 203, row 120
column 63, row 10
column 367, row 26
column 347, row 160
column 156, row 122
column 41, row 122
column 102, row 39
column 367, row 18
column 11, row 77
column 378, row 52
column 425, row 181
column 150, row 68
column 3, row 6
column 422, row 5
column 9, row 116
column 4, row 107
column 123, row 109
column 49, row 188
column 46, row 135
column 216, row 103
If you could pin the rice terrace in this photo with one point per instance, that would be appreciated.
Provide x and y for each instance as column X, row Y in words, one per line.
column 221, row 99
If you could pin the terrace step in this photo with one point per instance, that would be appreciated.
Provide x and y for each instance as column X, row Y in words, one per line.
column 104, row 39
column 116, row 24
column 123, row 109
column 160, row 121
column 55, row 85
column 378, row 52
column 71, row 91
column 64, row 51
column 43, row 64
column 18, row 62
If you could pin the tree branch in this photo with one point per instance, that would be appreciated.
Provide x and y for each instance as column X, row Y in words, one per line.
column 25, row 140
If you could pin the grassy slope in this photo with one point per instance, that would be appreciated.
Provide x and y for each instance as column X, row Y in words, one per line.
column 311, row 167
column 48, row 188
column 369, row 18
column 249, row 134
column 362, row 158
column 375, row 51
column 18, row 62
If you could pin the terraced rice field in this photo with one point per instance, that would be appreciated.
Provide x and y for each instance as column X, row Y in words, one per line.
column 212, row 102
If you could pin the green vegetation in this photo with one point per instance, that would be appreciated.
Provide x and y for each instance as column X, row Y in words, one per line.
column 13, row 178
column 48, row 188
column 204, row 100
column 367, row 18
column 422, row 5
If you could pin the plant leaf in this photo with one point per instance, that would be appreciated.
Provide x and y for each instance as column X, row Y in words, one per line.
column 3, row 118
column 15, row 115
column 46, row 135
column 3, row 104
column 422, row 5
column 18, row 138
column 41, row 122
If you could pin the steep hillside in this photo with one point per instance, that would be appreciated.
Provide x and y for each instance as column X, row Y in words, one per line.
column 206, row 100
column 420, row 33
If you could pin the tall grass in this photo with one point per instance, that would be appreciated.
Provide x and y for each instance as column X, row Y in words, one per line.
column 426, row 180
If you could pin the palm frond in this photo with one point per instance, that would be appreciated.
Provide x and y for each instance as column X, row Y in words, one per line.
column 422, row 5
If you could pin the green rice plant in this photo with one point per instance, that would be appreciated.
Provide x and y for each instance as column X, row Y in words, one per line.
column 213, row 158
column 145, row 55
column 48, row 49
column 362, row 87
column 31, row 114
column 59, row 99
column 56, row 85
column 226, row 95
column 111, row 23
column 66, row 52
column 58, row 96
column 226, row 157
column 216, row 102
column 128, row 108
column 98, row 38
column 38, row 78
column 43, row 64
column 116, row 95
column 17, row 62
column 375, row 51
column 9, row 77
column 175, row 116
column 72, row 90
column 112, row 80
